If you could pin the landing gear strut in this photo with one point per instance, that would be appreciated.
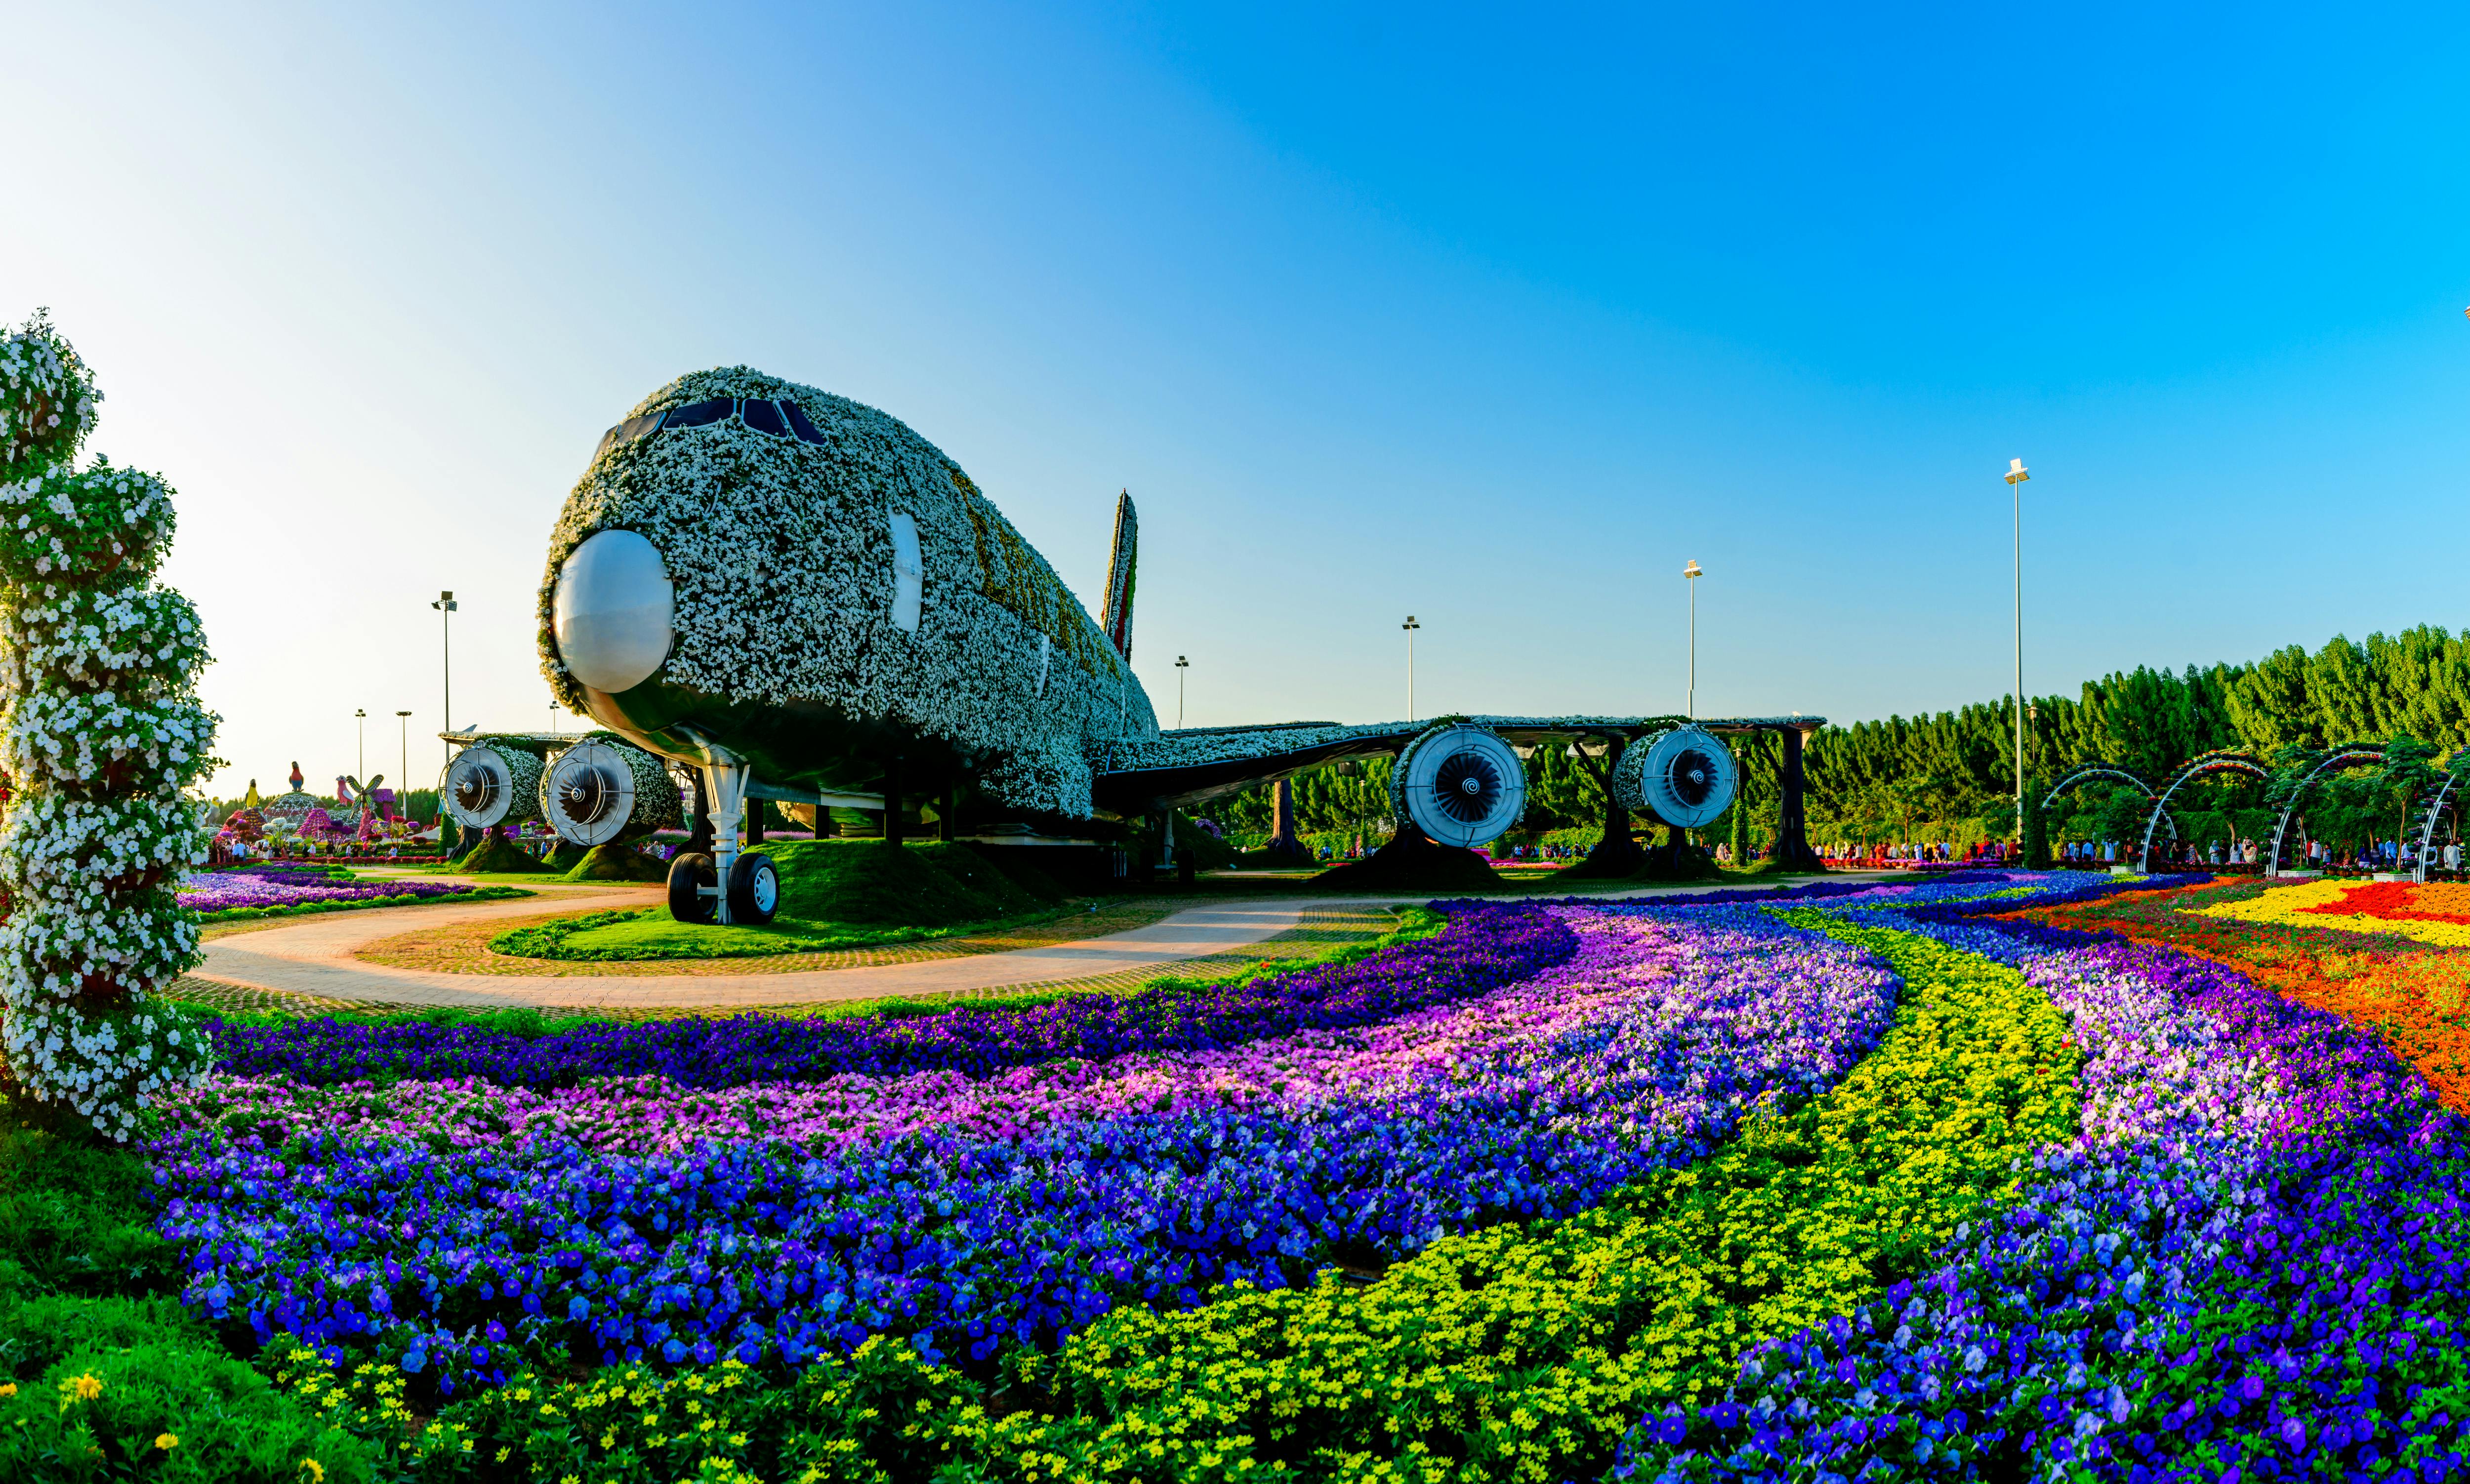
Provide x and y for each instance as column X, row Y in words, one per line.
column 729, row 886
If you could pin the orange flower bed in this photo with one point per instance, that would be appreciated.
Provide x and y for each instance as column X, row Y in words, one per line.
column 2415, row 995
column 2437, row 902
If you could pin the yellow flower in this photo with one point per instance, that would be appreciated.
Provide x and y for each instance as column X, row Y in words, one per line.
column 8, row 1388
column 168, row 1440
column 82, row 1388
column 316, row 1471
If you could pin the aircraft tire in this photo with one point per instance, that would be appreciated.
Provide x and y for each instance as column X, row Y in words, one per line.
column 688, row 874
column 754, row 889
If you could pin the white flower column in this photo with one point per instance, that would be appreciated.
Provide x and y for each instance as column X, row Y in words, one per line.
column 98, row 670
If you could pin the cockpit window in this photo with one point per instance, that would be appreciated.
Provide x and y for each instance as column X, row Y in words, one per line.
column 781, row 419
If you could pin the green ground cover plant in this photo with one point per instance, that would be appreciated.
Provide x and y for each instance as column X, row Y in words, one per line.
column 104, row 1373
column 650, row 933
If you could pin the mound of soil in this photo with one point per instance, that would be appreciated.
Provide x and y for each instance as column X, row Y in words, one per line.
column 973, row 871
column 1025, row 875
column 616, row 862
column 499, row 854
column 1412, row 863
column 871, row 881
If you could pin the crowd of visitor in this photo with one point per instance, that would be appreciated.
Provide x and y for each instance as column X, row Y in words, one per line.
column 1847, row 854
column 2376, row 855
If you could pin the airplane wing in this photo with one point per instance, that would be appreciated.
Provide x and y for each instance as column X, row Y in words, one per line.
column 1179, row 769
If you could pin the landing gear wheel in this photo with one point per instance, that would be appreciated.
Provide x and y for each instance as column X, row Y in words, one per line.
column 691, row 875
column 753, row 890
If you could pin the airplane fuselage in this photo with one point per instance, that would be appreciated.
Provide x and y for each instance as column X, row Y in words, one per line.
column 767, row 572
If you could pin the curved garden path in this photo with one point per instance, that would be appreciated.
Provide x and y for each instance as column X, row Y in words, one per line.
column 318, row 956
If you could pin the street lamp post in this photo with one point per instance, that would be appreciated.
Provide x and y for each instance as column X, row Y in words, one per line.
column 402, row 786
column 445, row 606
column 1694, row 571
column 1181, row 664
column 1411, row 626
column 360, row 714
column 2016, row 474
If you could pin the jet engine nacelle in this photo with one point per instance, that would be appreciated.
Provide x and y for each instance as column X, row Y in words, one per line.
column 1461, row 785
column 491, row 784
column 1685, row 776
column 599, row 791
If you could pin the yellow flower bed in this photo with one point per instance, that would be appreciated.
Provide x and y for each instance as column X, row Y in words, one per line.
column 2286, row 907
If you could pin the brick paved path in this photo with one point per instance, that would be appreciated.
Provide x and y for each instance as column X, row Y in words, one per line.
column 313, row 961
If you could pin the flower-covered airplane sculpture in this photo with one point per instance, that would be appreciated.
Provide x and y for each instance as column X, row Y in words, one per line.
column 805, row 601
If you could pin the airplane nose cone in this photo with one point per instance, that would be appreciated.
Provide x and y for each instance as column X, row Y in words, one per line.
column 612, row 610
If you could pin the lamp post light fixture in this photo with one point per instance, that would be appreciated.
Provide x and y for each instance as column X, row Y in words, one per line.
column 1181, row 664
column 1694, row 571
column 445, row 606
column 2016, row 474
column 1411, row 626
column 360, row 714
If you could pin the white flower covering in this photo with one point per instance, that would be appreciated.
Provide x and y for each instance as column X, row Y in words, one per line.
column 106, row 942
column 1197, row 746
column 781, row 556
column 104, row 730
column 53, row 842
column 139, row 639
column 84, row 527
column 46, row 399
column 95, row 742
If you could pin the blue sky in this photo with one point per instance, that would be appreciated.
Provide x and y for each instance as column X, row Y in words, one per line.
column 1497, row 317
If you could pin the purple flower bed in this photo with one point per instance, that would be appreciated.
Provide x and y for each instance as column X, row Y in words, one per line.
column 793, row 1222
column 289, row 886
column 1596, row 999
column 1484, row 946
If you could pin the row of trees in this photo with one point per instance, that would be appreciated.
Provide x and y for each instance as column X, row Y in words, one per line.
column 1950, row 775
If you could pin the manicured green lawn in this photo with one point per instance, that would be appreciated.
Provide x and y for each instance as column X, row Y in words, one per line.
column 614, row 937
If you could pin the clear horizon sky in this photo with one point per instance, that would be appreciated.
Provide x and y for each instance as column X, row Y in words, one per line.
column 1496, row 317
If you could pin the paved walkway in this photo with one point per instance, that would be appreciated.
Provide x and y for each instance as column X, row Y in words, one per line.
column 315, row 957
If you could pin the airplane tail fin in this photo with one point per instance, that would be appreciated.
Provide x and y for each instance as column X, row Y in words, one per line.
column 1117, row 617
